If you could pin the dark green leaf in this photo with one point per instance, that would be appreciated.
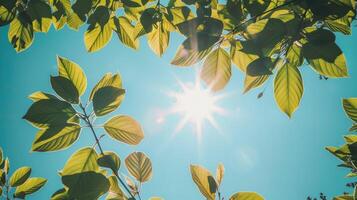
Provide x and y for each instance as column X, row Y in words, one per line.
column 109, row 160
column 65, row 89
column 260, row 66
column 107, row 99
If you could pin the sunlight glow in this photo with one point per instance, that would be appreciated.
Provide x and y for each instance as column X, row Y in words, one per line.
column 196, row 105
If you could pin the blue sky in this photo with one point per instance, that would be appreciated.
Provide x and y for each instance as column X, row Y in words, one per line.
column 261, row 148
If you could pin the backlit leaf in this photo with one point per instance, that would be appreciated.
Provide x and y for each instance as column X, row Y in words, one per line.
column 83, row 160
column 107, row 80
column 20, row 176
column 219, row 174
column 56, row 137
column 187, row 57
column 125, row 129
column 327, row 59
column 158, row 39
column 288, row 88
column 350, row 107
column 47, row 112
column 7, row 11
column 204, row 181
column 36, row 96
column 21, row 32
column 73, row 72
column 115, row 192
column 107, row 99
column 125, row 31
column 99, row 31
column 30, row 186
column 139, row 166
column 246, row 196
column 216, row 70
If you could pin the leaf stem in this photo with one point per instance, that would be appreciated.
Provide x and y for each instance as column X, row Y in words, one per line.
column 86, row 118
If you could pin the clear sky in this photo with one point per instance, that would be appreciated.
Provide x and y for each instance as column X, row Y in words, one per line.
column 261, row 148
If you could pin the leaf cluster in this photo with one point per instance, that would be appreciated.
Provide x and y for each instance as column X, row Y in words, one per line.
column 19, row 184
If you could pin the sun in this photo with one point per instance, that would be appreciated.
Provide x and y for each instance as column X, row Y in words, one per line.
column 196, row 105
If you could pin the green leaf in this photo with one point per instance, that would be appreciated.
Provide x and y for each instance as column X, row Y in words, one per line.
column 83, row 160
column 30, row 186
column 20, row 176
column 350, row 107
column 205, row 25
column 327, row 59
column 342, row 24
column 7, row 11
column 99, row 31
column 61, row 11
column 139, row 166
column 73, row 72
column 187, row 57
column 40, row 14
column 107, row 99
column 180, row 14
column 125, row 31
column 109, row 160
column 259, row 67
column 65, row 89
column 47, row 112
column 350, row 139
column 107, row 80
column 246, row 196
column 321, row 37
column 86, row 185
column 21, row 32
column 36, row 96
column 216, row 70
column 288, row 88
column 158, row 39
column 344, row 197
column 204, row 181
column 125, row 129
column 80, row 175
column 115, row 192
column 147, row 19
column 2, row 178
column 80, row 9
column 61, row 194
column 56, row 138
column 255, row 7
column 241, row 57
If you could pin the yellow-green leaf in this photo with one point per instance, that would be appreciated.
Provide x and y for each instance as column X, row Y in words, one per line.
column 288, row 88
column 115, row 192
column 139, row 166
column 30, row 186
column 216, row 71
column 84, row 160
column 219, row 174
column 204, row 181
column 56, row 138
column 73, row 72
column 20, row 176
column 36, row 96
column 99, row 31
column 158, row 39
column 246, row 196
column 156, row 198
column 187, row 57
column 350, row 107
column 7, row 11
column 125, row 129
column 125, row 31
column 21, row 32
column 251, row 82
column 327, row 59
column 1, row 156
column 107, row 95
column 107, row 80
column 344, row 197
